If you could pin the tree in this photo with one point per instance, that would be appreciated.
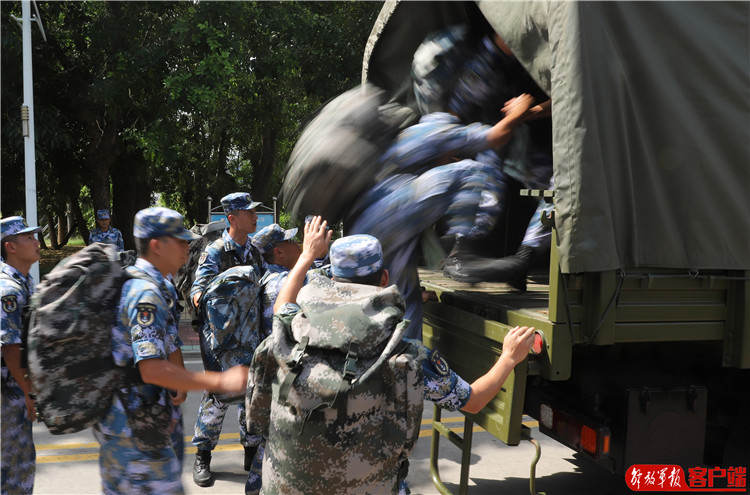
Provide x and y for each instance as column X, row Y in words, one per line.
column 175, row 99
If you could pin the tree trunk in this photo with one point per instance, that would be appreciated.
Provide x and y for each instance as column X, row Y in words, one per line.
column 101, row 153
column 130, row 191
column 83, row 229
column 264, row 169
column 62, row 226
column 52, row 231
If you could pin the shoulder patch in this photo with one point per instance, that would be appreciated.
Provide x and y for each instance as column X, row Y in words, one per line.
column 439, row 363
column 203, row 257
column 146, row 349
column 146, row 313
column 10, row 303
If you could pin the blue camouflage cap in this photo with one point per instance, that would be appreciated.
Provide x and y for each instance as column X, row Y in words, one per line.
column 266, row 238
column 161, row 222
column 238, row 201
column 16, row 225
column 102, row 214
column 356, row 256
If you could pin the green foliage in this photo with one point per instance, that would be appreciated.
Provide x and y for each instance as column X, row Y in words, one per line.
column 178, row 99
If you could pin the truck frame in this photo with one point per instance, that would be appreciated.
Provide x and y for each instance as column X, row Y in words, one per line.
column 646, row 327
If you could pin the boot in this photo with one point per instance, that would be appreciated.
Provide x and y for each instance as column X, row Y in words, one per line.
column 202, row 475
column 461, row 263
column 511, row 269
column 249, row 456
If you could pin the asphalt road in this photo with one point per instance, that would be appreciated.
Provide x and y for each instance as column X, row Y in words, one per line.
column 68, row 464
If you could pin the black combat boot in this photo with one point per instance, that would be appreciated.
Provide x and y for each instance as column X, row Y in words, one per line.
column 463, row 264
column 249, row 456
column 511, row 269
column 202, row 475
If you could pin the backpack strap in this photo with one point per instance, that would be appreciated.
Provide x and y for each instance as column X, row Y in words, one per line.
column 350, row 370
column 293, row 363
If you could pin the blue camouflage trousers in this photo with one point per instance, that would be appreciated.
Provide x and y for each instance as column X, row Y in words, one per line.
column 18, row 452
column 254, row 477
column 210, row 418
column 464, row 194
column 124, row 468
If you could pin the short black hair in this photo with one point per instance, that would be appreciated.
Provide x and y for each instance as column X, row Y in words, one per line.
column 142, row 246
column 3, row 251
column 371, row 279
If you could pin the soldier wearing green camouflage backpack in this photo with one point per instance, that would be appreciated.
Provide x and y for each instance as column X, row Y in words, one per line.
column 337, row 391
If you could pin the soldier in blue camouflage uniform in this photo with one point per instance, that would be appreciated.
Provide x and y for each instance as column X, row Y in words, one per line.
column 359, row 259
column 234, row 248
column 141, row 436
column 403, row 205
column 105, row 232
column 280, row 252
column 473, row 81
column 20, row 250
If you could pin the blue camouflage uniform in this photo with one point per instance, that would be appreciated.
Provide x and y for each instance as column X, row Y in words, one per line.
column 19, row 454
column 142, row 437
column 16, row 440
column 398, row 209
column 265, row 240
column 110, row 236
column 212, row 262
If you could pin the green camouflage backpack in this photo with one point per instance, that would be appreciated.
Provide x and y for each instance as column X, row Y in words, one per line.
column 69, row 340
column 337, row 393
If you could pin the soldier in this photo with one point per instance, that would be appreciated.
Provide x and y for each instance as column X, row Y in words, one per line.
column 358, row 259
column 280, row 253
column 141, row 435
column 20, row 250
column 105, row 232
column 234, row 248
column 404, row 204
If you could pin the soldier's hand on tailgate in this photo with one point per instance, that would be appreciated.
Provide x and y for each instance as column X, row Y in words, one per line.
column 517, row 343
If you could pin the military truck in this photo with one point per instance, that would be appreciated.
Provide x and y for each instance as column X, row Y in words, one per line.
column 644, row 306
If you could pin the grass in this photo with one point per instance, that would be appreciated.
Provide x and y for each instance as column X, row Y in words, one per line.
column 51, row 257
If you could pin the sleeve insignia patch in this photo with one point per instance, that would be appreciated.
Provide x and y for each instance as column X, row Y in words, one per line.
column 146, row 349
column 146, row 313
column 202, row 259
column 439, row 363
column 10, row 304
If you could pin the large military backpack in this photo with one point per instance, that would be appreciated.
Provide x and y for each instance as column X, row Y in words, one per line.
column 69, row 340
column 338, row 393
column 185, row 277
column 340, row 150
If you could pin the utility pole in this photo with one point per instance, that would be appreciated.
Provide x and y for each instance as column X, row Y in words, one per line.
column 27, row 116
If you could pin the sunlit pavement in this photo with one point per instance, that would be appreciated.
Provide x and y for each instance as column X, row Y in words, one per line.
column 68, row 464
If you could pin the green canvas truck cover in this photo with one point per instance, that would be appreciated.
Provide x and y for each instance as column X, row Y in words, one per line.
column 650, row 118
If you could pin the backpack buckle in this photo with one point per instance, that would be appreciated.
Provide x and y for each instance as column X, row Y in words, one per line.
column 350, row 366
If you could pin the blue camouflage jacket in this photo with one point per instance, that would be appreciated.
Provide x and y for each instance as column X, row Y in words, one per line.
column 111, row 236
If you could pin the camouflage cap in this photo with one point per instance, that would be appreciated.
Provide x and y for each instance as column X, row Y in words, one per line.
column 161, row 222
column 16, row 225
column 238, row 201
column 102, row 214
column 356, row 256
column 266, row 238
